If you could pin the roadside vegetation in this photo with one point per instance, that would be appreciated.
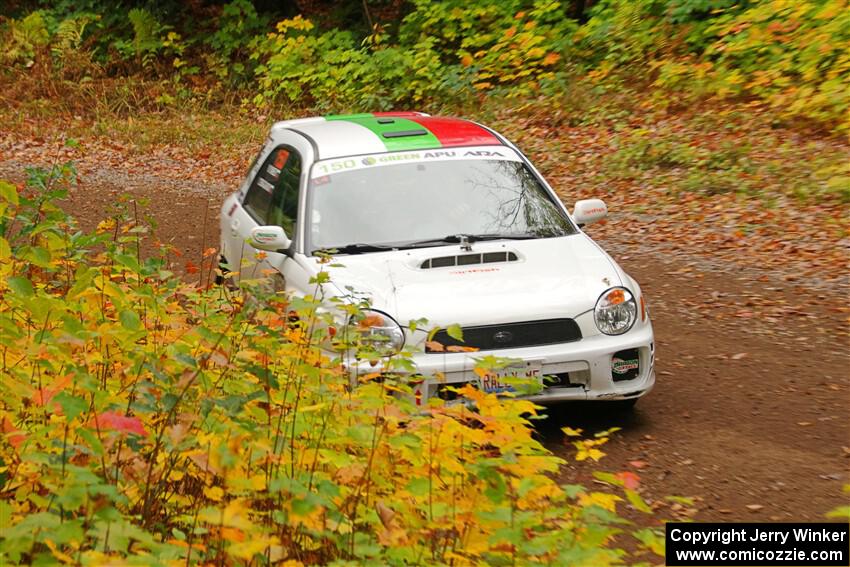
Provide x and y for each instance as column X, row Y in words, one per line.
column 149, row 419
column 158, row 420
column 790, row 56
column 706, row 97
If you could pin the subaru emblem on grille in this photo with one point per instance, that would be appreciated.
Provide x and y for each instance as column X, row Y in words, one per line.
column 503, row 337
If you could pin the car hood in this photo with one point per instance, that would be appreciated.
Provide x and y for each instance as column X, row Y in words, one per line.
column 551, row 278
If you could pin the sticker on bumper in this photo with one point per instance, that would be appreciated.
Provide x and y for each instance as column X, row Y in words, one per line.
column 620, row 366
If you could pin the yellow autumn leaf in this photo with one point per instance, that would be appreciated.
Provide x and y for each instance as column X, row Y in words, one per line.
column 258, row 482
column 585, row 454
column 63, row 557
column 601, row 499
column 214, row 493
column 5, row 249
column 251, row 546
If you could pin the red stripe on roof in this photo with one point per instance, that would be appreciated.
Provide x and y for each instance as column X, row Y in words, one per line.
column 456, row 132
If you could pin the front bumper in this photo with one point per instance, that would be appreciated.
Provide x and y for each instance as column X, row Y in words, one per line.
column 583, row 369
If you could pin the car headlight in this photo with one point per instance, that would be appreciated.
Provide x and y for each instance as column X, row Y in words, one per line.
column 615, row 311
column 379, row 331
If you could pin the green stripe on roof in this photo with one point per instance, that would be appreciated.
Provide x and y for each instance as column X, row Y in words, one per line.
column 349, row 116
column 370, row 121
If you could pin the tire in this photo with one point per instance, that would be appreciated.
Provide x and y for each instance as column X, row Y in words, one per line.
column 624, row 405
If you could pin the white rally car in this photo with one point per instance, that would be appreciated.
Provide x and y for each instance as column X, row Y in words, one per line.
column 446, row 220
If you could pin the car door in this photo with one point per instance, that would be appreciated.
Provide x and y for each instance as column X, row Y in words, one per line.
column 273, row 197
column 251, row 209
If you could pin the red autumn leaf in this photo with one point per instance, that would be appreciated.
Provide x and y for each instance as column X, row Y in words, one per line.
column 191, row 268
column 457, row 348
column 371, row 321
column 630, row 480
column 122, row 423
column 12, row 433
column 43, row 396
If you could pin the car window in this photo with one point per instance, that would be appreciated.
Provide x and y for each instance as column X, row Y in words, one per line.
column 416, row 196
column 284, row 206
column 273, row 196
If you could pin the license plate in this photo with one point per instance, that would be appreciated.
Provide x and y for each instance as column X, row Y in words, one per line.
column 494, row 382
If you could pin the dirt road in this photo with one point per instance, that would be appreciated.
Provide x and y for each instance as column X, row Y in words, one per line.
column 751, row 412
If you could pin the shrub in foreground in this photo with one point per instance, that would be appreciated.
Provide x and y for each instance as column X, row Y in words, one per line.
column 146, row 420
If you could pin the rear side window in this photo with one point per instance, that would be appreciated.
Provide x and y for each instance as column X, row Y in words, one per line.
column 272, row 198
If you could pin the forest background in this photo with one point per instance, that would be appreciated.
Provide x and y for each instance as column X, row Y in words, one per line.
column 128, row 395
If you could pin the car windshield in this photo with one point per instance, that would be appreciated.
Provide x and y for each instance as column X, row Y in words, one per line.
column 400, row 199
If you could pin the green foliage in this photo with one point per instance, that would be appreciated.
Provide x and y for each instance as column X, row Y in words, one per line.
column 150, row 421
column 444, row 52
column 792, row 55
column 623, row 32
column 69, row 34
column 236, row 28
column 21, row 39
column 516, row 44
column 147, row 38
column 329, row 70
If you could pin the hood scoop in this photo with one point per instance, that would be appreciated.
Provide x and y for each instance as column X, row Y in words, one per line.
column 468, row 260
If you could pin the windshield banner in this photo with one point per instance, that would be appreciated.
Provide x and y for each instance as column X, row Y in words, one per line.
column 336, row 165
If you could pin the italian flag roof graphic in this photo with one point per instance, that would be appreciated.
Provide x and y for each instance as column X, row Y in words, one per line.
column 398, row 131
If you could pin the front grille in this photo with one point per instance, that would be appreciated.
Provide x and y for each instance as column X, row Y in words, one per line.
column 511, row 335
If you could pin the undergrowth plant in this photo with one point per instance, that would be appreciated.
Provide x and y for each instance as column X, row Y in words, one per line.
column 787, row 55
column 150, row 421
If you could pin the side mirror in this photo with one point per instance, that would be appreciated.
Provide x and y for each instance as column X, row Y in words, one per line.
column 270, row 238
column 589, row 211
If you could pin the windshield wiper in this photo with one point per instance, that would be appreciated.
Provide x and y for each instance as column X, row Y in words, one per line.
column 470, row 238
column 358, row 248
